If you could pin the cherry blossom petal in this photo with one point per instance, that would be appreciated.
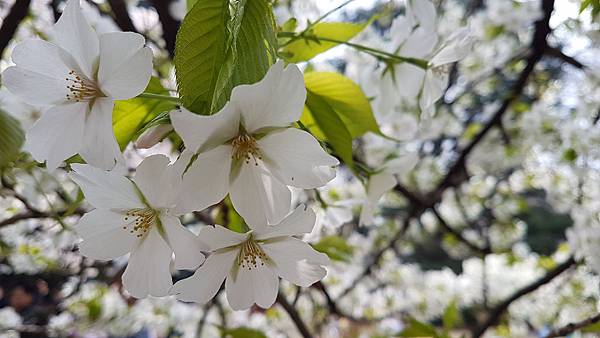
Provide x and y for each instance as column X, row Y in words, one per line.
column 184, row 243
column 433, row 89
column 206, row 181
column 300, row 221
column 296, row 158
column 156, row 181
column 276, row 101
column 105, row 189
column 58, row 134
column 402, row 164
column 207, row 280
column 147, row 272
column 205, row 131
column 74, row 34
column 103, row 235
column 259, row 197
column 44, row 58
column 35, row 88
column 297, row 262
column 126, row 43
column 218, row 237
column 419, row 44
column 378, row 185
column 409, row 80
column 124, row 74
column 400, row 30
column 425, row 13
column 258, row 285
column 457, row 48
column 100, row 147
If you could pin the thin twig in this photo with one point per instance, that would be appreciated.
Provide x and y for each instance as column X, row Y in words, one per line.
column 499, row 309
column 572, row 327
column 294, row 315
column 11, row 22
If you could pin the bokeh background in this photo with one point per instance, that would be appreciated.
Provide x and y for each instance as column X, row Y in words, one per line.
column 494, row 231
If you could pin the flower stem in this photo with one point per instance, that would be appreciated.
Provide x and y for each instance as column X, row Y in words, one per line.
column 159, row 97
column 369, row 50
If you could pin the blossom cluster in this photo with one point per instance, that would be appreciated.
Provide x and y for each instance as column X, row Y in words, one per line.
column 520, row 208
column 248, row 150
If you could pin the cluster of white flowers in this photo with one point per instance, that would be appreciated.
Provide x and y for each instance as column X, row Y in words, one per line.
column 250, row 156
column 248, row 150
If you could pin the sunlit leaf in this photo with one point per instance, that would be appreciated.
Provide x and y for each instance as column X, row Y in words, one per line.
column 336, row 247
column 130, row 116
column 220, row 46
column 11, row 138
column 304, row 49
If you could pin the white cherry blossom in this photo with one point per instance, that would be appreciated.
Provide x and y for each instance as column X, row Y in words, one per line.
column 415, row 35
column 78, row 75
column 382, row 182
column 135, row 216
column 249, row 151
column 252, row 263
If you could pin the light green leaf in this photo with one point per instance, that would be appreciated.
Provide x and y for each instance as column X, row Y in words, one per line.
column 330, row 126
column 190, row 4
column 11, row 138
column 336, row 247
column 451, row 316
column 416, row 328
column 304, row 49
column 220, row 46
column 346, row 98
column 591, row 328
column 130, row 116
column 243, row 332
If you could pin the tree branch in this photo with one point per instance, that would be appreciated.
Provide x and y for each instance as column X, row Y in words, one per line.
column 456, row 233
column 294, row 315
column 122, row 17
column 169, row 24
column 11, row 22
column 499, row 309
column 572, row 327
column 557, row 53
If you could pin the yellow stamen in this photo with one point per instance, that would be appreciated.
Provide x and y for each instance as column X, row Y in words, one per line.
column 442, row 69
column 141, row 219
column 251, row 255
column 81, row 88
column 246, row 148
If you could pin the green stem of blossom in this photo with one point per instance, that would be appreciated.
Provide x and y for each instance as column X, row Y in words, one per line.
column 159, row 97
column 380, row 54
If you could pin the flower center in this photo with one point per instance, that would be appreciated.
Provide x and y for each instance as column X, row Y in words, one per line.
column 140, row 221
column 251, row 255
column 442, row 70
column 81, row 88
column 246, row 148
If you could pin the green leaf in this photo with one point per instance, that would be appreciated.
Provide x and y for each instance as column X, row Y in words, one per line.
column 416, row 328
column 220, row 46
column 585, row 4
column 336, row 247
column 304, row 49
column 11, row 138
column 331, row 128
column 451, row 316
column 243, row 332
column 591, row 328
column 190, row 4
column 346, row 98
column 570, row 155
column 228, row 216
column 130, row 116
